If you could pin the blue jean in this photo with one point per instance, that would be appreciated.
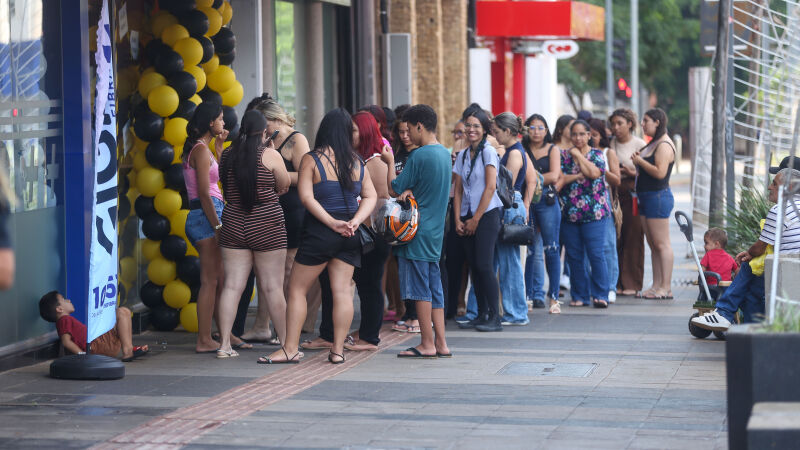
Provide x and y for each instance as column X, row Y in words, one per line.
column 546, row 220
column 588, row 237
column 611, row 255
column 746, row 292
column 420, row 281
column 509, row 265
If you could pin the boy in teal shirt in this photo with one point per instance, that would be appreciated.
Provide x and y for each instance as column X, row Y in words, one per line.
column 426, row 176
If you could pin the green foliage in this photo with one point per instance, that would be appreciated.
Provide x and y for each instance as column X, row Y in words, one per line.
column 787, row 320
column 744, row 222
column 669, row 34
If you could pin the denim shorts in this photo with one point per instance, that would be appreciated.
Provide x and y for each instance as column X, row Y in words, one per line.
column 197, row 225
column 421, row 281
column 656, row 204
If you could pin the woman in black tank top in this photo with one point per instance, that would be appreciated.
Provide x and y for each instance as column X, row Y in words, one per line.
column 653, row 167
column 545, row 216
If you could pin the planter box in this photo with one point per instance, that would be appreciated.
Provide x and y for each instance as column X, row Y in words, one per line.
column 761, row 367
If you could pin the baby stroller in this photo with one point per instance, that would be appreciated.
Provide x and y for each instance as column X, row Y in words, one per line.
column 707, row 298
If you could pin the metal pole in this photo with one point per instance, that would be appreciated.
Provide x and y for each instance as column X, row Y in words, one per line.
column 609, row 57
column 716, row 205
column 637, row 107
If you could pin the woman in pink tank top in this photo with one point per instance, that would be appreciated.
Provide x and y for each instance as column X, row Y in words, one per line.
column 200, row 173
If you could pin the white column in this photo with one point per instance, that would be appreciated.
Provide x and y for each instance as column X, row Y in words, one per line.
column 480, row 77
column 246, row 24
column 541, row 87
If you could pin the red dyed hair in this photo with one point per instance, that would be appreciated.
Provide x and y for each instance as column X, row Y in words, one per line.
column 369, row 135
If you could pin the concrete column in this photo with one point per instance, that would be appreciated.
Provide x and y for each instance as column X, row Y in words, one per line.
column 246, row 24
column 314, row 70
column 268, row 46
column 365, row 53
column 541, row 87
column 430, row 61
column 456, row 71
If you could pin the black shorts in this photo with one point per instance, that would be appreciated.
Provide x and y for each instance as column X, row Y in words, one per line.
column 294, row 226
column 319, row 244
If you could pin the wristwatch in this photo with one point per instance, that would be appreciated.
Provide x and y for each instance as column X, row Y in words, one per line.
column 218, row 227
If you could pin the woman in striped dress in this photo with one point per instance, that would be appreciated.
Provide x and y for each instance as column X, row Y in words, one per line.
column 253, row 230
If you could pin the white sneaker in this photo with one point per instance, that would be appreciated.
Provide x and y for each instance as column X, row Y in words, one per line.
column 612, row 296
column 564, row 283
column 712, row 321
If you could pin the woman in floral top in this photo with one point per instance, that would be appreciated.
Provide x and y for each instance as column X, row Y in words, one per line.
column 585, row 217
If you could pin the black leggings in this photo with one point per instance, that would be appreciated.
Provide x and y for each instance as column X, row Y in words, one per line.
column 480, row 254
column 244, row 304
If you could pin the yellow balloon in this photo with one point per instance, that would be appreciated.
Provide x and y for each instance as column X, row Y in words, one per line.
column 234, row 95
column 196, row 99
column 221, row 79
column 227, row 12
column 189, row 317
column 132, row 178
column 150, row 69
column 167, row 202
column 151, row 249
column 128, row 269
column 161, row 21
column 177, row 150
column 177, row 294
column 214, row 20
column 149, row 181
column 204, row 3
column 132, row 194
column 150, row 81
column 177, row 223
column 190, row 250
column 139, row 144
column 173, row 34
column 198, row 75
column 190, row 50
column 140, row 161
column 161, row 271
column 163, row 101
column 175, row 131
column 211, row 65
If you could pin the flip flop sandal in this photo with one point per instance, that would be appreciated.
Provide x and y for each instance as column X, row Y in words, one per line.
column 332, row 354
column 444, row 355
column 576, row 303
column 555, row 307
column 222, row 354
column 644, row 294
column 292, row 360
column 309, row 345
column 402, row 328
column 207, row 351
column 242, row 346
column 274, row 341
column 414, row 328
column 137, row 352
column 416, row 354
column 599, row 303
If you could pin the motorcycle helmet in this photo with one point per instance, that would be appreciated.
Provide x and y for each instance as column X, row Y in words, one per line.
column 396, row 222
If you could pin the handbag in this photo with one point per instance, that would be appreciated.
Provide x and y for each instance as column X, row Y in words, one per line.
column 516, row 233
column 616, row 209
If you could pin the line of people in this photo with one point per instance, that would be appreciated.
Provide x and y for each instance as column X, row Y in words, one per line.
column 288, row 218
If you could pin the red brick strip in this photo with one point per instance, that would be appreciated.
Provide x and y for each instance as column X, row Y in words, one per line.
column 182, row 426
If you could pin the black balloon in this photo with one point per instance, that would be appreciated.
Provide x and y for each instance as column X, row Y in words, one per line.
column 216, row 4
column 208, row 48
column 144, row 206
column 184, row 199
column 188, row 269
column 230, row 117
column 153, row 49
column 178, row 7
column 173, row 176
column 173, row 247
column 151, row 295
column 148, row 126
column 184, row 84
column 124, row 208
column 227, row 58
column 185, row 109
column 155, row 227
column 168, row 62
column 159, row 154
column 233, row 133
column 210, row 96
column 164, row 318
column 224, row 40
column 195, row 21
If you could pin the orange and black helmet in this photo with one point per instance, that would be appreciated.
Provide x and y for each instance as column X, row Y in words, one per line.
column 397, row 222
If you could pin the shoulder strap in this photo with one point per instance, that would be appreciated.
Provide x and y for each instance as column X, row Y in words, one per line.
column 320, row 167
column 289, row 137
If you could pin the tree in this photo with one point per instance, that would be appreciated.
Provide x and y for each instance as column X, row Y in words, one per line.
column 668, row 45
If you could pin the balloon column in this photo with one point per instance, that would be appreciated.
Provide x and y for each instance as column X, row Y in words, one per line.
column 187, row 60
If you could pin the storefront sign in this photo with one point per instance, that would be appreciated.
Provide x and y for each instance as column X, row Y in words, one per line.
column 560, row 49
column 102, row 299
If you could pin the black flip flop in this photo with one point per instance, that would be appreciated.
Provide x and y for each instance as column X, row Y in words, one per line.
column 416, row 354
column 600, row 303
column 137, row 352
column 207, row 351
column 292, row 360
column 444, row 355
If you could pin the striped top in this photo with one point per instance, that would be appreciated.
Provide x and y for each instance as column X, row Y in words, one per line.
column 790, row 237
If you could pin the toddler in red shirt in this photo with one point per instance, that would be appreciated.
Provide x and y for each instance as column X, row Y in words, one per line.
column 116, row 342
column 716, row 258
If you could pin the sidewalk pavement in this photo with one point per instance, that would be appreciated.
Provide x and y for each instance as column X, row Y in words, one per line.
column 629, row 376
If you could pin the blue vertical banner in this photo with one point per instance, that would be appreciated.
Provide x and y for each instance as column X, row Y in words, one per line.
column 102, row 301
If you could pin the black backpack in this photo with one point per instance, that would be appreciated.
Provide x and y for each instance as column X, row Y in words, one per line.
column 505, row 185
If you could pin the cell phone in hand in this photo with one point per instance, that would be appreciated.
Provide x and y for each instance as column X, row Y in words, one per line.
column 272, row 137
